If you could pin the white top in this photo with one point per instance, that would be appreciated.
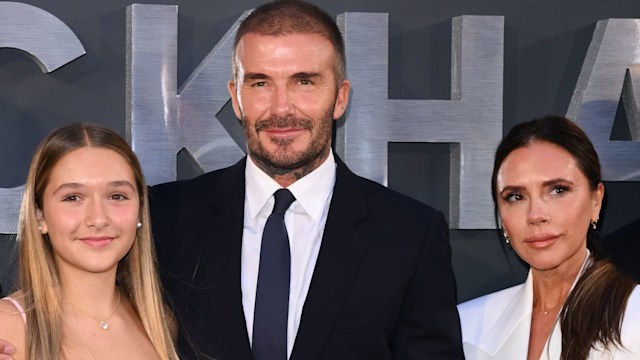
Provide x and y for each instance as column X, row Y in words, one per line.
column 497, row 326
column 305, row 220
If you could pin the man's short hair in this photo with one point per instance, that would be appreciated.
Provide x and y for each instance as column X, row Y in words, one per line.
column 284, row 17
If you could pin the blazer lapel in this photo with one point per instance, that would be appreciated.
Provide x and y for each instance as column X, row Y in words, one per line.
column 225, row 227
column 509, row 338
column 339, row 258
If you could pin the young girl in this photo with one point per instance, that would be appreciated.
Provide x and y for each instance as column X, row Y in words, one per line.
column 87, row 286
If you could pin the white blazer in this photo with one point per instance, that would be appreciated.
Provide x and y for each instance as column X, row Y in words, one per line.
column 496, row 326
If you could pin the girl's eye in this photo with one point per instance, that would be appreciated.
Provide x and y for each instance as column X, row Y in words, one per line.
column 72, row 197
column 119, row 197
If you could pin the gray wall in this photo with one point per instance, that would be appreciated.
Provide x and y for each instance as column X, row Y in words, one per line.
column 545, row 45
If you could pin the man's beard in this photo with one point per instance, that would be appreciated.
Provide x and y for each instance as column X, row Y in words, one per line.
column 284, row 159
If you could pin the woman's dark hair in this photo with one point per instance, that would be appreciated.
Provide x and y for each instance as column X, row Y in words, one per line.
column 593, row 312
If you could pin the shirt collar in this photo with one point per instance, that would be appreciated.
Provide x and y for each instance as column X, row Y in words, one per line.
column 311, row 191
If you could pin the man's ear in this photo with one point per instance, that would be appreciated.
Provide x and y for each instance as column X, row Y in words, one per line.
column 342, row 99
column 233, row 91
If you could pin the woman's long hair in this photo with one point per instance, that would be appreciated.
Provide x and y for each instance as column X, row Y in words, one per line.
column 593, row 312
column 38, row 278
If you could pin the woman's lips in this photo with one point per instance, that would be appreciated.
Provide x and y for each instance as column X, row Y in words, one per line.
column 541, row 241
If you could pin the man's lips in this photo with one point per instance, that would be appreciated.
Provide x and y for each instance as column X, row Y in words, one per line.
column 97, row 241
column 283, row 132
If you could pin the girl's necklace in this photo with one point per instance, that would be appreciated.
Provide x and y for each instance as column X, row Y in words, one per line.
column 102, row 324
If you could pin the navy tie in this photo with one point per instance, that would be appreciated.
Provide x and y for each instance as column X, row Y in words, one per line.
column 272, row 294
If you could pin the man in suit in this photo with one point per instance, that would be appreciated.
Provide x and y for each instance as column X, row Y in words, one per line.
column 369, row 274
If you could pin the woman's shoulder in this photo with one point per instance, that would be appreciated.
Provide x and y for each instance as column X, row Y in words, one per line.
column 631, row 322
column 488, row 321
column 487, row 302
column 630, row 334
column 479, row 315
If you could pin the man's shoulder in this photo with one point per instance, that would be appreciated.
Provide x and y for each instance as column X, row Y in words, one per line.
column 385, row 198
column 198, row 184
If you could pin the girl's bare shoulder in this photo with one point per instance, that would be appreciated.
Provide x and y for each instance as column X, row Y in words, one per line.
column 12, row 324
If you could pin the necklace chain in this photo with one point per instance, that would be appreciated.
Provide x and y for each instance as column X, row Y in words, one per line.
column 102, row 324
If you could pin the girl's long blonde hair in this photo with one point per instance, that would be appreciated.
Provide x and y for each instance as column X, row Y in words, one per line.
column 38, row 278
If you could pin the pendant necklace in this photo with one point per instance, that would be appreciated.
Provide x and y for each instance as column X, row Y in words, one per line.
column 102, row 324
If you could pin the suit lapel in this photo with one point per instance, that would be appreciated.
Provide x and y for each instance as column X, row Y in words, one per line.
column 225, row 227
column 338, row 261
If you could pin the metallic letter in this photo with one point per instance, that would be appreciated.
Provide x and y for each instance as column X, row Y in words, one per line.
column 48, row 41
column 162, row 120
column 472, row 120
column 610, row 73
column 51, row 44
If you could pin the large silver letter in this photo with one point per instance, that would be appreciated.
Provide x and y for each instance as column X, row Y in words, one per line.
column 161, row 121
column 51, row 44
column 48, row 41
column 610, row 73
column 472, row 120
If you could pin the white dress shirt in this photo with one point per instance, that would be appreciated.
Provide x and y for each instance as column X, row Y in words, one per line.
column 305, row 220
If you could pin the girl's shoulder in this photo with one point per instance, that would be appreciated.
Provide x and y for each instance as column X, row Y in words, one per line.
column 12, row 306
column 12, row 323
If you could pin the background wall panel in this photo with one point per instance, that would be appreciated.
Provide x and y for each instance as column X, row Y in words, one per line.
column 545, row 44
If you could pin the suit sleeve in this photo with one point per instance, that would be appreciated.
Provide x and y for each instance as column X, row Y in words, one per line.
column 428, row 326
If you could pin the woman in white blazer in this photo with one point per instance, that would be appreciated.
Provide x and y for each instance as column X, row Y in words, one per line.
column 574, row 304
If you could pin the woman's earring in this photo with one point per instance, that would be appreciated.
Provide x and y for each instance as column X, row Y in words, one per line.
column 139, row 225
column 594, row 224
column 506, row 236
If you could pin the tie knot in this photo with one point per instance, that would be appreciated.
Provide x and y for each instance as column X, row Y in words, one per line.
column 283, row 198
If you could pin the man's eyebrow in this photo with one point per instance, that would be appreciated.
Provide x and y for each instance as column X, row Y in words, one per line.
column 255, row 76
column 305, row 75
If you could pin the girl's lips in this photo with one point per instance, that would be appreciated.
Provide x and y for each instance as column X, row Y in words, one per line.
column 97, row 242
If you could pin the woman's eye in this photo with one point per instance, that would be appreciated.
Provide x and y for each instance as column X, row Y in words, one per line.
column 513, row 197
column 559, row 189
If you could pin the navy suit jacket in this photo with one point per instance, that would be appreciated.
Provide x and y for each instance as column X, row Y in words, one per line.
column 382, row 288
